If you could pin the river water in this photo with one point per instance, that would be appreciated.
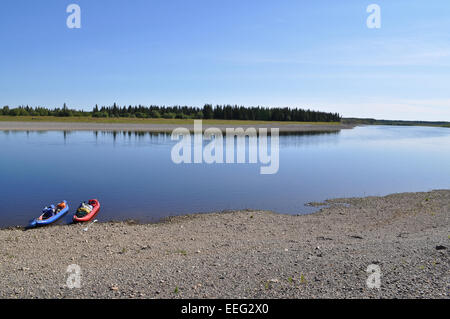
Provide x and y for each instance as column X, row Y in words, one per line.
column 134, row 177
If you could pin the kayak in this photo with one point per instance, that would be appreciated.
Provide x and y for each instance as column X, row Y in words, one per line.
column 50, row 214
column 87, row 217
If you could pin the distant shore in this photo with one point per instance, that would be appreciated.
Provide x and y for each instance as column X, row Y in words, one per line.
column 285, row 127
column 243, row 254
column 160, row 125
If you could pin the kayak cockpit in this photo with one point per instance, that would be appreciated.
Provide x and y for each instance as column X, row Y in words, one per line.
column 51, row 211
column 50, row 214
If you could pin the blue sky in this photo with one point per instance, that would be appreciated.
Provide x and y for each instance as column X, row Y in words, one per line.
column 316, row 54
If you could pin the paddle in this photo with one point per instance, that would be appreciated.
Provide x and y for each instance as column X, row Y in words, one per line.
column 86, row 229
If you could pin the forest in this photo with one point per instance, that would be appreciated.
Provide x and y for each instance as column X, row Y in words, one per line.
column 208, row 111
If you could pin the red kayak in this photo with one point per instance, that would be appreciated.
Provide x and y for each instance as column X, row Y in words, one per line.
column 82, row 216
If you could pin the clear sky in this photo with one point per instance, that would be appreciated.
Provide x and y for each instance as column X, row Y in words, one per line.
column 317, row 54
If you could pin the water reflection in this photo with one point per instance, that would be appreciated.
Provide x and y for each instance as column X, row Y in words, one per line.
column 288, row 138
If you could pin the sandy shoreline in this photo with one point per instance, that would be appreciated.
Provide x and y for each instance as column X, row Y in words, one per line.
column 244, row 254
column 158, row 128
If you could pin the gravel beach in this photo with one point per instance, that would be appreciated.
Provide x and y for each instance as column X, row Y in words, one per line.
column 159, row 128
column 243, row 254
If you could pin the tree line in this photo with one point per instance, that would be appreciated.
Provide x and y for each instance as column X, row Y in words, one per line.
column 220, row 112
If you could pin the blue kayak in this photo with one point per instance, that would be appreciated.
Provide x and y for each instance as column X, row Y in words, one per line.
column 50, row 215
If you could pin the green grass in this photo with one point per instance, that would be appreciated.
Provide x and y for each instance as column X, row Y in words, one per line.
column 125, row 120
column 182, row 252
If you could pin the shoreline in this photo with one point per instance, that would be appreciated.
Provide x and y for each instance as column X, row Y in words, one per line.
column 161, row 128
column 243, row 254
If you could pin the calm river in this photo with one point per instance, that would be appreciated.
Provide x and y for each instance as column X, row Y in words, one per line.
column 134, row 177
